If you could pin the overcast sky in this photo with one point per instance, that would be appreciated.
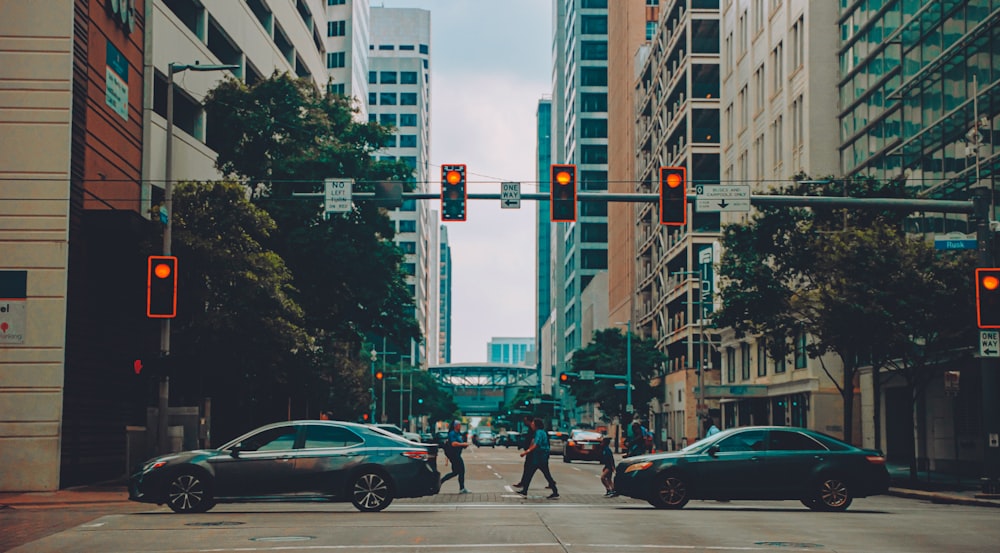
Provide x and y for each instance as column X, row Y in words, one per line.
column 490, row 64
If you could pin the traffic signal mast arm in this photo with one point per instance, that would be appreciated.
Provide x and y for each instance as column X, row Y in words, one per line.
column 937, row 206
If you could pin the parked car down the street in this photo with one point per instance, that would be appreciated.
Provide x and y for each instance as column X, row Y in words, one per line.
column 756, row 462
column 486, row 439
column 295, row 460
column 583, row 445
column 557, row 442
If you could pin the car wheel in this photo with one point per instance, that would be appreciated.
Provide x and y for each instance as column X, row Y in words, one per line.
column 672, row 493
column 832, row 494
column 370, row 492
column 566, row 459
column 189, row 492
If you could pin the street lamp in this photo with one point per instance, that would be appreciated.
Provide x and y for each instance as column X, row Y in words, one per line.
column 163, row 403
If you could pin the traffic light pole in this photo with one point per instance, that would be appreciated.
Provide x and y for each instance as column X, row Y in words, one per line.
column 988, row 366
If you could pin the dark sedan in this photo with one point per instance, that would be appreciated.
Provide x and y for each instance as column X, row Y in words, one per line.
column 583, row 445
column 756, row 462
column 295, row 460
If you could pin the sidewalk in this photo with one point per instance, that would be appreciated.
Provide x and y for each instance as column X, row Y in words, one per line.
column 939, row 488
column 105, row 492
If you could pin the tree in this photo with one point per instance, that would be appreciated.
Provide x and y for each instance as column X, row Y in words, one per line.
column 831, row 273
column 607, row 354
column 237, row 324
column 282, row 136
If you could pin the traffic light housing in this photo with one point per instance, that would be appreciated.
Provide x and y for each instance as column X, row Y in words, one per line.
column 454, row 194
column 562, row 194
column 161, row 287
column 673, row 196
column 988, row 298
column 379, row 375
column 568, row 378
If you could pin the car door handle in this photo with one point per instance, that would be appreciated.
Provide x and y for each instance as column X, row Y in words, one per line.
column 285, row 458
column 755, row 459
column 818, row 457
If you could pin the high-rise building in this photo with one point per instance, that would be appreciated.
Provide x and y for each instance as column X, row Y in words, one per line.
column 444, row 300
column 399, row 96
column 347, row 37
column 511, row 351
column 543, row 261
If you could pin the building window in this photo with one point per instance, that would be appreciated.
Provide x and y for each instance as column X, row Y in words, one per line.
column 335, row 89
column 372, row 99
column 387, row 77
column 334, row 60
column 801, row 358
column 650, row 30
column 386, row 47
column 408, row 77
column 745, row 361
column 730, row 60
column 779, row 365
column 407, row 141
column 798, row 43
column 407, row 225
column 777, row 68
column 407, row 119
column 409, row 269
column 335, row 2
column 594, row 50
column 758, row 89
column 387, row 119
column 409, row 205
column 372, row 77
column 798, row 125
column 744, row 108
column 761, row 358
column 407, row 98
column 758, row 158
column 406, row 47
column 409, row 161
column 742, row 37
column 336, row 28
column 777, row 133
column 593, row 76
column 730, row 365
column 408, row 247
column 424, row 49
column 387, row 98
column 594, row 25
column 591, row 102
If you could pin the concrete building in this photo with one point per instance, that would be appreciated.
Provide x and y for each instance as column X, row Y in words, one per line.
column 347, row 39
column 399, row 96
column 444, row 299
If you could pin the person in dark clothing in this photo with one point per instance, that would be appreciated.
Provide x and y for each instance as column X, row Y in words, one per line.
column 526, row 439
column 637, row 441
column 608, row 472
column 539, row 452
column 453, row 450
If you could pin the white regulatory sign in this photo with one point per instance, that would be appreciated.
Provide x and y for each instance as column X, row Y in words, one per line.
column 510, row 195
column 989, row 343
column 337, row 195
column 722, row 198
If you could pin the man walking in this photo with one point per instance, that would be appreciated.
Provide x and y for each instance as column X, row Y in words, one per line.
column 539, row 451
column 453, row 450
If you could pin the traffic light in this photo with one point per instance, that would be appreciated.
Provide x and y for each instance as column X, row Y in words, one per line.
column 379, row 375
column 562, row 194
column 568, row 378
column 673, row 196
column 161, row 287
column 988, row 298
column 453, row 193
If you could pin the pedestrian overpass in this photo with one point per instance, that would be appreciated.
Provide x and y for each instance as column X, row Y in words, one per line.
column 481, row 389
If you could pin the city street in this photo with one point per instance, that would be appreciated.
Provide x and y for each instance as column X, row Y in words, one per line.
column 492, row 518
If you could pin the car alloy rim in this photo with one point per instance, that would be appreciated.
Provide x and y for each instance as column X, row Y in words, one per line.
column 186, row 492
column 673, row 491
column 833, row 493
column 370, row 490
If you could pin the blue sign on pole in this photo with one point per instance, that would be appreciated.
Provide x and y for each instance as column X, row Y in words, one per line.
column 960, row 244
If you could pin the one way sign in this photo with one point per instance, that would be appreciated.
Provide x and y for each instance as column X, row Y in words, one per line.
column 510, row 195
column 989, row 343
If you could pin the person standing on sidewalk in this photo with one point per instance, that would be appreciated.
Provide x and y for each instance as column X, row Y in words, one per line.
column 539, row 451
column 453, row 450
column 608, row 472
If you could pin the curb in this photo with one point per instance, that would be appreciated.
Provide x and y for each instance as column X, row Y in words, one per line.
column 944, row 498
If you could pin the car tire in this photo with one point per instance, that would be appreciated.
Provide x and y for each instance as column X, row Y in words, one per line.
column 370, row 492
column 671, row 493
column 831, row 493
column 189, row 491
column 566, row 459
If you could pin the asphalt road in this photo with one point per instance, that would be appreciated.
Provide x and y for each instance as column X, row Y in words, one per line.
column 493, row 519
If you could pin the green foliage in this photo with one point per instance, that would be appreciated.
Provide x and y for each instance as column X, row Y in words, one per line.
column 607, row 354
column 855, row 282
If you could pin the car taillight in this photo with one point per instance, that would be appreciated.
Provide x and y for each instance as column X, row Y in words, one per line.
column 418, row 455
column 875, row 459
column 571, row 443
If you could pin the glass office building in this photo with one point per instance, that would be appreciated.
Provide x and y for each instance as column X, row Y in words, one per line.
column 918, row 93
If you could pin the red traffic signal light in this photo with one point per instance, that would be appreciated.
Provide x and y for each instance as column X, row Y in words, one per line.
column 562, row 194
column 454, row 194
column 568, row 378
column 161, row 287
column 379, row 375
column 673, row 196
column 988, row 298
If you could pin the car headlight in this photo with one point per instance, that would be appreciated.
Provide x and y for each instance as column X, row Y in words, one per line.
column 639, row 466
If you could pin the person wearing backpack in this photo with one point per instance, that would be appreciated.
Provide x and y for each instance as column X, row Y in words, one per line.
column 539, row 452
column 453, row 451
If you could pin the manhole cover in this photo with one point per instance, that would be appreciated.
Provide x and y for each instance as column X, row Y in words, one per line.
column 219, row 523
column 790, row 544
column 283, row 538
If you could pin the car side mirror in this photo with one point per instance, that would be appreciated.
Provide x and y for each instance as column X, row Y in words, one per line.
column 713, row 450
column 235, row 451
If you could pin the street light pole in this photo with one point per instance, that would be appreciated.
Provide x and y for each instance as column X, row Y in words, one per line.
column 371, row 389
column 163, row 401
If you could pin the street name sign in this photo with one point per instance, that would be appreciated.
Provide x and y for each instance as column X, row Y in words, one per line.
column 712, row 197
column 337, row 195
column 955, row 241
column 989, row 343
column 510, row 195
